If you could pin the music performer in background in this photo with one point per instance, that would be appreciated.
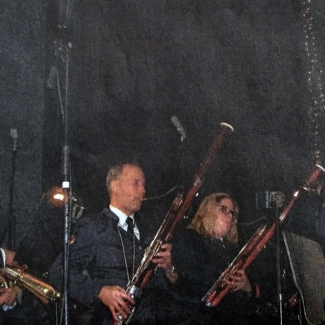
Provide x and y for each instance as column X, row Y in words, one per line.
column 106, row 249
column 7, row 295
column 36, row 252
column 200, row 254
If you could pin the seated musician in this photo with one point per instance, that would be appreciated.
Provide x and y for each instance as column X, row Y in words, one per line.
column 16, row 307
column 7, row 295
column 106, row 249
column 36, row 252
column 200, row 254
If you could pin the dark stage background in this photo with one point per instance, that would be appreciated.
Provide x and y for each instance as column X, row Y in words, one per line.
column 107, row 76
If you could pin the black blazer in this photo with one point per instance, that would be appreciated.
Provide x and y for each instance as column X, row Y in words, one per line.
column 97, row 258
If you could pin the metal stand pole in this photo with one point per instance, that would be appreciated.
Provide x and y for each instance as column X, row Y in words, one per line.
column 62, row 51
column 11, row 217
column 67, row 222
column 67, row 193
column 278, row 267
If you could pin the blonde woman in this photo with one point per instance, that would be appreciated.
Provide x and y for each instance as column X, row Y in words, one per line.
column 200, row 254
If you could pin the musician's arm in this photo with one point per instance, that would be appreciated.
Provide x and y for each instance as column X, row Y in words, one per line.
column 82, row 256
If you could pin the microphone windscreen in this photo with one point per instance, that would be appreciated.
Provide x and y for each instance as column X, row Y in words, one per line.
column 14, row 134
column 179, row 127
column 50, row 82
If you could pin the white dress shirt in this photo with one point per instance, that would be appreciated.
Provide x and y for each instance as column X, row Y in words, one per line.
column 122, row 220
column 3, row 256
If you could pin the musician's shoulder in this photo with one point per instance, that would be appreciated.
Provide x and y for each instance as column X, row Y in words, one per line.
column 92, row 221
column 185, row 236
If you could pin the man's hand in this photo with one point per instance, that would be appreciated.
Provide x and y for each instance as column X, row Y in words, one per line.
column 10, row 255
column 117, row 300
column 7, row 296
column 240, row 281
column 164, row 258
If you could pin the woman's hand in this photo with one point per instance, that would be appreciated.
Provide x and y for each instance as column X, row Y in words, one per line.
column 240, row 281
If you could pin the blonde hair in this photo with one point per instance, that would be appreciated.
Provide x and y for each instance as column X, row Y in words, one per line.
column 203, row 221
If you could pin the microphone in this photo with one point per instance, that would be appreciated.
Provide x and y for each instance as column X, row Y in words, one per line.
column 14, row 136
column 179, row 127
column 269, row 199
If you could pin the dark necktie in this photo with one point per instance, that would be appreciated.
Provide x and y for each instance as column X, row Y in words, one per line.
column 130, row 223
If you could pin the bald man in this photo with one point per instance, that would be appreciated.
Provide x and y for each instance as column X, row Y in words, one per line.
column 106, row 248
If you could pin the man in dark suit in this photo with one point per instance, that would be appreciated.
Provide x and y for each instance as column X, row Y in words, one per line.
column 106, row 249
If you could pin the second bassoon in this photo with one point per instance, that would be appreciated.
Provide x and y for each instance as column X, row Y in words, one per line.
column 252, row 248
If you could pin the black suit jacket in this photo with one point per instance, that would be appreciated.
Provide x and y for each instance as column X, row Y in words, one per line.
column 97, row 258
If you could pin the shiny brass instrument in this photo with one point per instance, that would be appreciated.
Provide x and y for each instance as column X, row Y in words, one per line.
column 40, row 289
column 252, row 248
column 3, row 282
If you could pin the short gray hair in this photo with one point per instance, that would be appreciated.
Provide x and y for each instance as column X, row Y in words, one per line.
column 113, row 173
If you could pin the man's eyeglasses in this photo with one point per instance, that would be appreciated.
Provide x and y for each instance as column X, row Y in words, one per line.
column 227, row 211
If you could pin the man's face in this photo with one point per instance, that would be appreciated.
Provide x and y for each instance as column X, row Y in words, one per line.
column 128, row 190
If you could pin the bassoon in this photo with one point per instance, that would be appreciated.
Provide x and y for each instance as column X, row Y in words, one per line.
column 252, row 248
column 173, row 217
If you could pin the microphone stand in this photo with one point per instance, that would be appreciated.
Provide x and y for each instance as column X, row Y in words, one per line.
column 272, row 205
column 67, row 194
column 12, row 218
column 278, row 265
column 62, row 51
column 67, row 223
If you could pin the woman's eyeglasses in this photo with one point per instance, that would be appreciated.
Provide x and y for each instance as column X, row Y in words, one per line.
column 225, row 210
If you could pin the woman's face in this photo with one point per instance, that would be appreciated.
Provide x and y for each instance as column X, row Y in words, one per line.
column 223, row 218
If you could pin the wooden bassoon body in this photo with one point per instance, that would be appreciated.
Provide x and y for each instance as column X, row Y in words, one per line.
column 172, row 219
